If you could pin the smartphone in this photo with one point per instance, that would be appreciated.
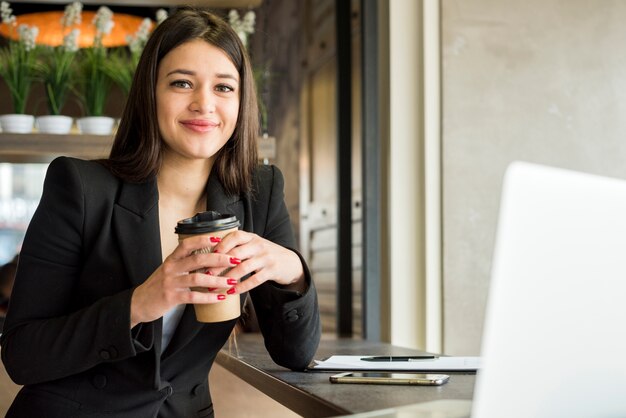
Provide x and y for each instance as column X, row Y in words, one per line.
column 389, row 378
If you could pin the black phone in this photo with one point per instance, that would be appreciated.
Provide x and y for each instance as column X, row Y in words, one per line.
column 391, row 378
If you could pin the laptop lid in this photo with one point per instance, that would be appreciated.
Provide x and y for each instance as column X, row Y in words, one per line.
column 554, row 342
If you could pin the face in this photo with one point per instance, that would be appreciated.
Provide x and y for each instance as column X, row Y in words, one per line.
column 197, row 99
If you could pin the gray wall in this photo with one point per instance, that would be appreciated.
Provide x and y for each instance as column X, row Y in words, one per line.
column 535, row 80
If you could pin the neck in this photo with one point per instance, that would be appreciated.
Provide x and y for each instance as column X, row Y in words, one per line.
column 184, row 181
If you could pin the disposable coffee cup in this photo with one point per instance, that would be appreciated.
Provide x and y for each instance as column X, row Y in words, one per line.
column 216, row 225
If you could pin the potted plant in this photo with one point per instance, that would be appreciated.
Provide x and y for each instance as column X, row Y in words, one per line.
column 94, row 80
column 58, row 72
column 17, row 68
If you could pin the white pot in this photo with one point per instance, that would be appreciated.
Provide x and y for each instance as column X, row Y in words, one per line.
column 95, row 125
column 54, row 124
column 21, row 124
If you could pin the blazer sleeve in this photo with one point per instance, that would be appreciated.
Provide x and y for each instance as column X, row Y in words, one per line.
column 47, row 333
column 289, row 321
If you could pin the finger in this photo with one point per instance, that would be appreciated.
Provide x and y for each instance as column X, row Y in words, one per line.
column 193, row 244
column 203, row 297
column 204, row 282
column 257, row 248
column 242, row 268
column 248, row 284
column 207, row 262
column 233, row 240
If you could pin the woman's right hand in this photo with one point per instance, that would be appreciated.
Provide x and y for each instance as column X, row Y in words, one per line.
column 171, row 283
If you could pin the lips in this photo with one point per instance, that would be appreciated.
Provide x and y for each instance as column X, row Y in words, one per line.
column 199, row 125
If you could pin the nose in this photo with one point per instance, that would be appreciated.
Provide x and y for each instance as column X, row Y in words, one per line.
column 203, row 102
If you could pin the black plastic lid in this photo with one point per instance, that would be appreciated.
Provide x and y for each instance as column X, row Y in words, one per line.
column 204, row 222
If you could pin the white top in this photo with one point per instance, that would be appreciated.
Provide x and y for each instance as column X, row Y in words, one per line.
column 170, row 322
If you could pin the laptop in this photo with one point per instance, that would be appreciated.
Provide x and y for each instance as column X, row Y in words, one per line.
column 554, row 342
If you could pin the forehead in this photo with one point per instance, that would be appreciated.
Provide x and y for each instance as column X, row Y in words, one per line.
column 198, row 56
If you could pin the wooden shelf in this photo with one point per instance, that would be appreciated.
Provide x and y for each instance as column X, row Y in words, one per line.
column 43, row 148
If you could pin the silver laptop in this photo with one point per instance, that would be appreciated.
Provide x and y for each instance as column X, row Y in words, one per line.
column 554, row 342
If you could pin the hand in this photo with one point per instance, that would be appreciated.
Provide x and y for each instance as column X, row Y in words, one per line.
column 265, row 259
column 171, row 284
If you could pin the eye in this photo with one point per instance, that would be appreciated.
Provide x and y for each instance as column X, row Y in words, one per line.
column 224, row 88
column 183, row 84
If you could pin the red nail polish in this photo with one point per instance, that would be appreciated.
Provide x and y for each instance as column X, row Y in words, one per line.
column 216, row 239
column 221, row 297
column 231, row 291
column 235, row 260
column 210, row 289
column 231, row 281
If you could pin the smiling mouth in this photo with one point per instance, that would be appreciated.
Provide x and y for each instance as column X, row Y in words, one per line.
column 199, row 125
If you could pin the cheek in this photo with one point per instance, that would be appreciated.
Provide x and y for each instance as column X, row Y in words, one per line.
column 164, row 118
column 233, row 113
column 160, row 109
column 160, row 115
column 165, row 110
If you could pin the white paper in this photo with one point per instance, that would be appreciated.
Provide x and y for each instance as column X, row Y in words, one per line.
column 437, row 364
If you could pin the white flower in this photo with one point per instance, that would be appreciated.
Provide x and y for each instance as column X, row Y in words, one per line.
column 233, row 17
column 161, row 15
column 248, row 22
column 72, row 15
column 28, row 35
column 242, row 27
column 70, row 41
column 103, row 21
column 144, row 29
column 108, row 27
column 6, row 13
column 138, row 41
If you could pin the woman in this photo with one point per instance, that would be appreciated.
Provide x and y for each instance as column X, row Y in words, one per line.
column 100, row 322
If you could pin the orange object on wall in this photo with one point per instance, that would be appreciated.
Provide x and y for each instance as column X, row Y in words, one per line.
column 51, row 30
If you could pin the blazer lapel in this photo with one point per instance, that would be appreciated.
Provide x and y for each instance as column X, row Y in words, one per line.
column 136, row 223
column 219, row 201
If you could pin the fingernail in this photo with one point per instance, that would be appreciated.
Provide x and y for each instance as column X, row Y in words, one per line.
column 231, row 281
column 235, row 260
column 216, row 239
column 210, row 289
column 208, row 272
column 221, row 297
column 231, row 291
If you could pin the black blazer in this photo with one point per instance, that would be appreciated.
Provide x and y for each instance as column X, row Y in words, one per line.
column 67, row 336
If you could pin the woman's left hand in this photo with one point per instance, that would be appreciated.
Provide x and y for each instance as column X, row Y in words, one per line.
column 264, row 259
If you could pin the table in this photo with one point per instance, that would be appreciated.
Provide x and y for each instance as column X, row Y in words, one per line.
column 310, row 394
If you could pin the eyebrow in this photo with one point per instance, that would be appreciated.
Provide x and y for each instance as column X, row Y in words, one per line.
column 193, row 73
column 181, row 71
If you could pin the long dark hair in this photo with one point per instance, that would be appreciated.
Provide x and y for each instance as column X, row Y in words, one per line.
column 137, row 150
